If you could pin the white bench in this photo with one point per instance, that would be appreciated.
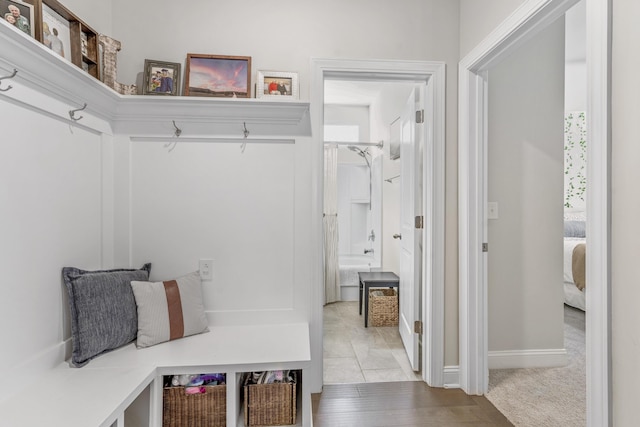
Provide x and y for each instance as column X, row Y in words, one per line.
column 124, row 387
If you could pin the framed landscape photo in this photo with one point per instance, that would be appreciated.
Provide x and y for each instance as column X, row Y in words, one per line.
column 161, row 78
column 218, row 76
column 277, row 85
column 19, row 14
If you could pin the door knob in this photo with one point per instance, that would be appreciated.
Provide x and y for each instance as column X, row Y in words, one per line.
column 397, row 236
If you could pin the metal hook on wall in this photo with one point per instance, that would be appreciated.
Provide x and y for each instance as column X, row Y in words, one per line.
column 176, row 134
column 246, row 134
column 72, row 113
column 8, row 77
column 178, row 131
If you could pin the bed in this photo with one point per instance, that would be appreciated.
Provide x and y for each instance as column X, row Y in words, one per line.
column 574, row 264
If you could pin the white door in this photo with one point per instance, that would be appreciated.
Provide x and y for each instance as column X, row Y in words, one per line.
column 410, row 207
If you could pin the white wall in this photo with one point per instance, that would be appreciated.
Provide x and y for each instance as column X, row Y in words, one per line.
column 575, row 81
column 526, row 118
column 281, row 38
column 625, row 292
column 479, row 18
column 51, row 217
column 97, row 14
column 349, row 115
column 287, row 37
column 211, row 200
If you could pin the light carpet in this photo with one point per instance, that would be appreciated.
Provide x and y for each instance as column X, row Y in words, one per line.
column 544, row 397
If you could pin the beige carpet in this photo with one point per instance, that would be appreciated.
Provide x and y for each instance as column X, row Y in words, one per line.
column 546, row 396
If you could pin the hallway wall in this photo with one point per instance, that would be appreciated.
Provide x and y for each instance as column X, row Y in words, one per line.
column 526, row 133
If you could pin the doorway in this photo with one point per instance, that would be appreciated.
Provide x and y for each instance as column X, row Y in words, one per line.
column 431, row 295
column 364, row 125
column 474, row 69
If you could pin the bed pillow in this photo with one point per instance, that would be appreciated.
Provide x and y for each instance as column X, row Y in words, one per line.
column 103, row 310
column 169, row 310
column 574, row 229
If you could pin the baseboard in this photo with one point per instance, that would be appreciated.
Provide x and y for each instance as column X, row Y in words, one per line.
column 451, row 377
column 544, row 358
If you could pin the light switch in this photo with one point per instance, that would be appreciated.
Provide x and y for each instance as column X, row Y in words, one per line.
column 492, row 210
column 206, row 269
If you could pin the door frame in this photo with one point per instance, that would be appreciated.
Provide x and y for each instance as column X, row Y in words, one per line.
column 531, row 17
column 433, row 74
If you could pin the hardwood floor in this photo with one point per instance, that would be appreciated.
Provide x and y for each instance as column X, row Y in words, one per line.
column 395, row 404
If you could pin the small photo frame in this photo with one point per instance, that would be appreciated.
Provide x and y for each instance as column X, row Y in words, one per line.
column 56, row 33
column 161, row 78
column 218, row 76
column 277, row 85
column 19, row 14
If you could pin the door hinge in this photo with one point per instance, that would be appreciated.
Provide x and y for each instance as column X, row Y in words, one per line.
column 420, row 116
column 485, row 247
column 417, row 327
column 420, row 222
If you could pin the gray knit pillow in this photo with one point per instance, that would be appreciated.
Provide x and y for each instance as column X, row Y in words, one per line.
column 169, row 310
column 103, row 310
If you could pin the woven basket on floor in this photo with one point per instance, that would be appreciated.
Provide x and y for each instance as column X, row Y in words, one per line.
column 383, row 309
column 270, row 404
column 194, row 410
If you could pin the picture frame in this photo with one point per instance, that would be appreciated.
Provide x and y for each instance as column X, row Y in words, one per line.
column 277, row 85
column 20, row 14
column 161, row 78
column 56, row 32
column 219, row 76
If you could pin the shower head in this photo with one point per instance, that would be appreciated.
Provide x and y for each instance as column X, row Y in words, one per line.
column 361, row 153
column 357, row 150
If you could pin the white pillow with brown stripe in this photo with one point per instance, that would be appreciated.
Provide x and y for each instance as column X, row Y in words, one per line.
column 169, row 310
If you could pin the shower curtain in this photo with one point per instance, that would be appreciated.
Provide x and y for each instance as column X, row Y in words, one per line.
column 330, row 225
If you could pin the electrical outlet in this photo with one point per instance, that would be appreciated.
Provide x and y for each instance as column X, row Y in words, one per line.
column 206, row 269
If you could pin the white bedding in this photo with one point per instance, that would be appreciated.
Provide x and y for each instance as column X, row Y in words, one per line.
column 572, row 295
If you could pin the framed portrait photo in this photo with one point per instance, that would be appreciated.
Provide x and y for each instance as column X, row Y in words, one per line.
column 19, row 14
column 279, row 85
column 161, row 78
column 218, row 76
column 56, row 33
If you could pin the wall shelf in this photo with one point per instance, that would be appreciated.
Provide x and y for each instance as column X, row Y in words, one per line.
column 42, row 73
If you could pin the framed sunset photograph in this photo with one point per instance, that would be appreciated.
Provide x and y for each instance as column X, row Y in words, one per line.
column 218, row 76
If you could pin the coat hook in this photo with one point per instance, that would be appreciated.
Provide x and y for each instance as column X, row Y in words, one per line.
column 246, row 134
column 178, row 131
column 73, row 112
column 8, row 77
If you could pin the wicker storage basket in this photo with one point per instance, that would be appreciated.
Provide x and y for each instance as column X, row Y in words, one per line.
column 194, row 410
column 270, row 404
column 383, row 309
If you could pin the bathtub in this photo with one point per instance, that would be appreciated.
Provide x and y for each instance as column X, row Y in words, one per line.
column 350, row 266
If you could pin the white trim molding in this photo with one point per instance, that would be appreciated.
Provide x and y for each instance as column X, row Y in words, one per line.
column 433, row 74
column 530, row 18
column 537, row 358
column 451, row 377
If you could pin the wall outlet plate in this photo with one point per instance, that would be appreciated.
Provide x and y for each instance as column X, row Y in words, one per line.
column 206, row 269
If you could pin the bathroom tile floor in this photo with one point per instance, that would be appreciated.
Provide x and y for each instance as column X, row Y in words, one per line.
column 355, row 354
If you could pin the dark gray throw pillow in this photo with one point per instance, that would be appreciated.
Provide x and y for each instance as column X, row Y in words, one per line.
column 103, row 310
